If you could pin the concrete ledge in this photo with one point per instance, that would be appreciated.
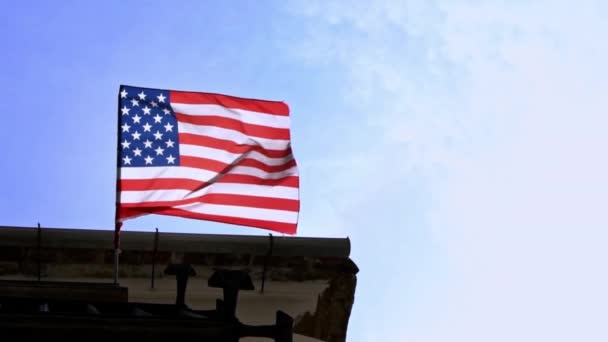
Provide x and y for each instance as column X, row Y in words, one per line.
column 72, row 291
column 187, row 243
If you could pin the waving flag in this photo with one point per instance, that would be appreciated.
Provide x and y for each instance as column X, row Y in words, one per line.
column 206, row 156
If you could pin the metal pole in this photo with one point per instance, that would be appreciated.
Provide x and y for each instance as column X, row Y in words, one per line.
column 268, row 255
column 154, row 259
column 38, row 250
column 117, row 222
column 116, row 252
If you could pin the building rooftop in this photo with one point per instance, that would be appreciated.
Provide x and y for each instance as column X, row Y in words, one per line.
column 309, row 282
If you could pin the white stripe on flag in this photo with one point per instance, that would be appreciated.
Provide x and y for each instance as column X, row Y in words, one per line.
column 153, row 172
column 227, row 157
column 232, row 135
column 217, row 188
column 242, row 212
column 269, row 120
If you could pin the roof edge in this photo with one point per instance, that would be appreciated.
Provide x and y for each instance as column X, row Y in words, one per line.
column 178, row 242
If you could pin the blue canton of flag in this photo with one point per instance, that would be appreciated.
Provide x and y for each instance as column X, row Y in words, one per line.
column 148, row 129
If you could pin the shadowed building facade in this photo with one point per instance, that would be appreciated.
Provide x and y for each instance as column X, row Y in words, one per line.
column 307, row 284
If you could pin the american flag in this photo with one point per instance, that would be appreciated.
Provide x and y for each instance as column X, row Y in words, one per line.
column 206, row 156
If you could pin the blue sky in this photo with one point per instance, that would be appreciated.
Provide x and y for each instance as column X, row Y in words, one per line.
column 461, row 145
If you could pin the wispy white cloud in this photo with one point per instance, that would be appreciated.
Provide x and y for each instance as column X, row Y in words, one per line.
column 497, row 110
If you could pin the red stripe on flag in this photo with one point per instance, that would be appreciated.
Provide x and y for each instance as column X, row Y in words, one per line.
column 192, row 185
column 219, row 167
column 237, row 125
column 290, row 181
column 226, row 199
column 261, row 106
column 287, row 228
column 229, row 146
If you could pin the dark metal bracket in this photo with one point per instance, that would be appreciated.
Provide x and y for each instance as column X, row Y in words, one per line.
column 231, row 281
column 182, row 272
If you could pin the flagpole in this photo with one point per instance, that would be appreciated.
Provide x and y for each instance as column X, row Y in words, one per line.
column 117, row 223
column 116, row 266
column 117, row 226
column 116, row 254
